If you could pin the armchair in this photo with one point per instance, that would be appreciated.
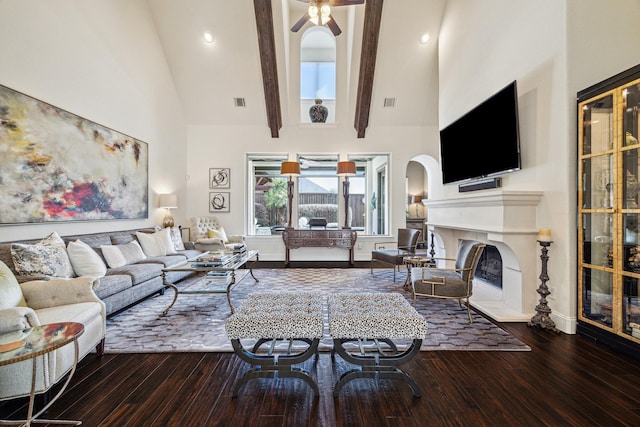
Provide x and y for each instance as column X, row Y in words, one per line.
column 456, row 283
column 405, row 246
column 41, row 302
column 214, row 240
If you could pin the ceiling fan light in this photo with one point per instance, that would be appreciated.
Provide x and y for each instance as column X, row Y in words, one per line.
column 325, row 19
column 313, row 11
column 325, row 10
column 208, row 37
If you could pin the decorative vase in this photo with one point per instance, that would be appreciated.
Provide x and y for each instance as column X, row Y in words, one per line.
column 318, row 112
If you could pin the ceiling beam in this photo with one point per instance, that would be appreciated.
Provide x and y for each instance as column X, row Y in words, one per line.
column 267, row 48
column 370, row 34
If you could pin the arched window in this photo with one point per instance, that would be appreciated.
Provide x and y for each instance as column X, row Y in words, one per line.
column 317, row 71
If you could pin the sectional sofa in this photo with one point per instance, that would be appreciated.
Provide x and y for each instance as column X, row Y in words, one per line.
column 119, row 286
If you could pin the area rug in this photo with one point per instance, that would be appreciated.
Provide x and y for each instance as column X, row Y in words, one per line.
column 196, row 321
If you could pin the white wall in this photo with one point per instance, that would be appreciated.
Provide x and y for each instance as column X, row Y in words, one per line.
column 552, row 48
column 101, row 60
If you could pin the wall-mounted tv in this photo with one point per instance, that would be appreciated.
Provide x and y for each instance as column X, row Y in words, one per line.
column 485, row 142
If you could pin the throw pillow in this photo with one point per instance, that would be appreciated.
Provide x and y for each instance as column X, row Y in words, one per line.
column 176, row 238
column 156, row 244
column 10, row 292
column 218, row 234
column 120, row 255
column 46, row 258
column 85, row 260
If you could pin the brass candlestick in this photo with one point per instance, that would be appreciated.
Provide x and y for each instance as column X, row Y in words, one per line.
column 541, row 318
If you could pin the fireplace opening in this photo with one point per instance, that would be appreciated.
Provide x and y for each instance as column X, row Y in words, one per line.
column 489, row 267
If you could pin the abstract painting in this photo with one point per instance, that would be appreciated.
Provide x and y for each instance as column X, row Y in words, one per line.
column 57, row 166
column 219, row 202
column 219, row 178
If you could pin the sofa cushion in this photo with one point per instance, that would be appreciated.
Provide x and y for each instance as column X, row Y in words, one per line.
column 43, row 258
column 122, row 238
column 112, row 284
column 82, row 312
column 10, row 291
column 218, row 234
column 85, row 260
column 167, row 260
column 138, row 272
column 120, row 255
column 176, row 238
column 156, row 244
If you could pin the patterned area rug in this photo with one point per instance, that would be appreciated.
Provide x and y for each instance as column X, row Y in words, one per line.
column 196, row 321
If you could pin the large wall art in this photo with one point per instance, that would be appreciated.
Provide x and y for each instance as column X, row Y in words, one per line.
column 57, row 166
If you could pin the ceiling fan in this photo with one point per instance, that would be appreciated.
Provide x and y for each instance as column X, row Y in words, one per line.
column 319, row 13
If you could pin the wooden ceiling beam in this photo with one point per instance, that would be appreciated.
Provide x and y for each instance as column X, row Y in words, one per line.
column 267, row 48
column 370, row 35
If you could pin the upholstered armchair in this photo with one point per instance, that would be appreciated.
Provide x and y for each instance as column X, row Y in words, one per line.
column 405, row 246
column 456, row 282
column 208, row 235
column 38, row 303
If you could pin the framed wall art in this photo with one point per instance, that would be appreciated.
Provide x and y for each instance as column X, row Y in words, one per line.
column 57, row 166
column 219, row 178
column 219, row 202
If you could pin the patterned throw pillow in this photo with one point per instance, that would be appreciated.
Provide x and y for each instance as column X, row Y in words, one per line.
column 46, row 258
column 176, row 238
column 120, row 255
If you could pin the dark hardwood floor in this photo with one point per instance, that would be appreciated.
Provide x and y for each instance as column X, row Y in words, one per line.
column 565, row 380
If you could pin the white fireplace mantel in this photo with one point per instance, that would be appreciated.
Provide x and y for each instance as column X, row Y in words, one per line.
column 506, row 220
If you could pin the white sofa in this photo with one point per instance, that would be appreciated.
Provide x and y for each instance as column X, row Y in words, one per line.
column 41, row 302
column 200, row 226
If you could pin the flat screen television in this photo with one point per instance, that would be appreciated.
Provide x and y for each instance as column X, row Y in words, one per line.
column 483, row 143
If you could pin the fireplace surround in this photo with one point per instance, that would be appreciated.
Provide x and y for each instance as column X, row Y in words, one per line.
column 506, row 220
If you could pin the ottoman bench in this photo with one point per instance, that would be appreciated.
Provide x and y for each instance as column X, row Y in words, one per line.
column 378, row 317
column 292, row 316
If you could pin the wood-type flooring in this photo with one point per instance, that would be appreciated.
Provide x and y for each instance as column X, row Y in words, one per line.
column 566, row 380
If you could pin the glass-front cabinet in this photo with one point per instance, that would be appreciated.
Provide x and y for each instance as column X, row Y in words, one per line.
column 609, row 210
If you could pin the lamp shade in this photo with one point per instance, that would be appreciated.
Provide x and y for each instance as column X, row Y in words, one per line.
column 168, row 201
column 346, row 169
column 290, row 168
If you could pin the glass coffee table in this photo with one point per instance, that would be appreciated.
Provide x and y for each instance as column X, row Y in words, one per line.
column 221, row 272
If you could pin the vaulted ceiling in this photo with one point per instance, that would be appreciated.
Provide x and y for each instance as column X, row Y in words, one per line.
column 208, row 77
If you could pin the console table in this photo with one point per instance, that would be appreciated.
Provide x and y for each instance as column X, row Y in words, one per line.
column 345, row 239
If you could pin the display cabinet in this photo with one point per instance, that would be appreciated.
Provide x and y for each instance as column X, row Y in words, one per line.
column 609, row 211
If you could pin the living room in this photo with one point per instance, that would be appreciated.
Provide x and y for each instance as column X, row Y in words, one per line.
column 139, row 67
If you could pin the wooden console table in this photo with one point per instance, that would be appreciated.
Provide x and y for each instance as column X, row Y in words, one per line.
column 345, row 239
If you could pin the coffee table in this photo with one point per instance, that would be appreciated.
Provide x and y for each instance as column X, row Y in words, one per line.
column 217, row 279
column 38, row 341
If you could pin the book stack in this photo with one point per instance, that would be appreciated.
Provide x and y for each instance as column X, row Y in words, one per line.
column 218, row 278
column 237, row 248
column 213, row 260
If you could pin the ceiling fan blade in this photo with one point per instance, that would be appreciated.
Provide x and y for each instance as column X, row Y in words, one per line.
column 344, row 2
column 296, row 27
column 333, row 26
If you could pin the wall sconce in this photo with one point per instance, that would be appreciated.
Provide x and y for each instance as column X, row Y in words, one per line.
column 290, row 169
column 168, row 202
column 346, row 169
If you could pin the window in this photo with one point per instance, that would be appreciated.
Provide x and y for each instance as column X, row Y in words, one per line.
column 317, row 71
column 318, row 193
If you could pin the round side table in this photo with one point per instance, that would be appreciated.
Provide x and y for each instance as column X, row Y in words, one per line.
column 415, row 261
column 30, row 344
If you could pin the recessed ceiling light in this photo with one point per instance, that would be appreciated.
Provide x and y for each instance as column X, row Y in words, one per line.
column 208, row 37
column 424, row 38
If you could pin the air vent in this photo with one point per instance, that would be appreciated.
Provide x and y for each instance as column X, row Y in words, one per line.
column 389, row 102
column 239, row 102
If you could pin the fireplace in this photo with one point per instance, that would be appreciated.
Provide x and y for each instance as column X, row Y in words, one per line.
column 489, row 266
column 506, row 222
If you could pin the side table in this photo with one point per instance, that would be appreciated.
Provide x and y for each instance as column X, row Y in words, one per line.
column 38, row 341
column 415, row 261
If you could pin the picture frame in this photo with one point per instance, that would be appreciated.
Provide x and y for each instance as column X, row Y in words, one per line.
column 54, row 166
column 219, row 201
column 219, row 178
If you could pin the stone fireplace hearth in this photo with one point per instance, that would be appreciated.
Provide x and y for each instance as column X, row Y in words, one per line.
column 506, row 220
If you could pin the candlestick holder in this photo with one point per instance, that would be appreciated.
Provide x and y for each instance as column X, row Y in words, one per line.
column 541, row 318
